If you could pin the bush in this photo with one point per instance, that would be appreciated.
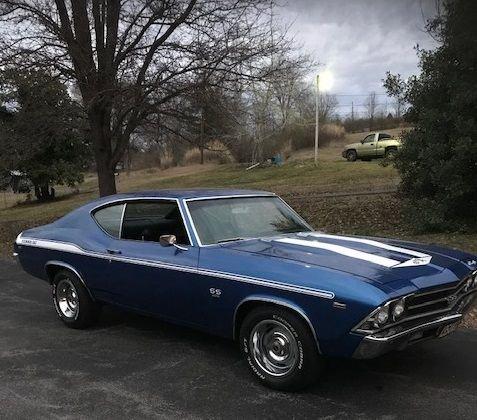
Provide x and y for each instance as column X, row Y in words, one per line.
column 303, row 137
column 331, row 133
column 438, row 161
column 214, row 152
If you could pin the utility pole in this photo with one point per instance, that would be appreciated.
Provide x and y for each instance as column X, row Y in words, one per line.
column 317, row 117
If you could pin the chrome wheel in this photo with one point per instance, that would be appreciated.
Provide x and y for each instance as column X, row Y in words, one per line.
column 274, row 347
column 67, row 301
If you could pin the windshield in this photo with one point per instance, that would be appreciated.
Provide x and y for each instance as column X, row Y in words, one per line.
column 227, row 219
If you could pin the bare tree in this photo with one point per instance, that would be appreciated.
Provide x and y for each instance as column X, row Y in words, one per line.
column 131, row 59
column 327, row 107
column 398, row 106
column 371, row 107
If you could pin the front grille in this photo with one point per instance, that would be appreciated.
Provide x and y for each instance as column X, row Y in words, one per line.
column 438, row 300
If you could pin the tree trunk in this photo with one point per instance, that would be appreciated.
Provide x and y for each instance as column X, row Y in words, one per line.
column 201, row 155
column 102, row 152
column 106, row 178
column 43, row 192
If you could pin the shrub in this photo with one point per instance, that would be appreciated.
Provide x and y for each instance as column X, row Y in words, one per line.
column 214, row 152
column 303, row 137
column 438, row 161
column 331, row 133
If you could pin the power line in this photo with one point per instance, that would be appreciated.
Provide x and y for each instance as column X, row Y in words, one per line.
column 365, row 105
column 356, row 94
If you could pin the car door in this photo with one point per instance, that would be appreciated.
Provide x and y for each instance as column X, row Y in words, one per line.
column 381, row 145
column 368, row 146
column 148, row 276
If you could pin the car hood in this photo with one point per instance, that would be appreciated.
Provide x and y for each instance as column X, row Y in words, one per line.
column 378, row 260
column 352, row 145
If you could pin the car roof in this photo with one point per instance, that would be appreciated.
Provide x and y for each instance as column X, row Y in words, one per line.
column 182, row 194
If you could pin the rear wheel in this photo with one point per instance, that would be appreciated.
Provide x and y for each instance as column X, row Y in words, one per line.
column 390, row 153
column 351, row 155
column 73, row 304
column 279, row 348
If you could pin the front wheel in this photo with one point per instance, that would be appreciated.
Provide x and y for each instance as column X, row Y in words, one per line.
column 73, row 303
column 280, row 349
column 351, row 155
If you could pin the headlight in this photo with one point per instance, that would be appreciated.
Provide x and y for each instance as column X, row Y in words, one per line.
column 470, row 282
column 398, row 309
column 382, row 317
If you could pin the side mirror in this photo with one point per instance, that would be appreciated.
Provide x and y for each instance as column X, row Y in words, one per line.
column 167, row 240
column 362, row 141
column 171, row 240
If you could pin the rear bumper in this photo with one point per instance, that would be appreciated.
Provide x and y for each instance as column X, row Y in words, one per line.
column 372, row 346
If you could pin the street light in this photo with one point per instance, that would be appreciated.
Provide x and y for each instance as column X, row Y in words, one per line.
column 317, row 106
column 326, row 83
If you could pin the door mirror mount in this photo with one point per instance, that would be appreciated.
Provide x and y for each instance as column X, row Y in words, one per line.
column 171, row 240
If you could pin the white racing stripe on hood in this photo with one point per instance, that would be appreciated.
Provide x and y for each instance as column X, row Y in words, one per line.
column 348, row 252
column 370, row 242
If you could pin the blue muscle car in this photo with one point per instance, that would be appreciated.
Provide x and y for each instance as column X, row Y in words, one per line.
column 244, row 265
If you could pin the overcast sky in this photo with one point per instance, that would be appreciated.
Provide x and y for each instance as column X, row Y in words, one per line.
column 359, row 40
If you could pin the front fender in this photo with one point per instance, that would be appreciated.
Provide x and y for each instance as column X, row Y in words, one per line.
column 286, row 303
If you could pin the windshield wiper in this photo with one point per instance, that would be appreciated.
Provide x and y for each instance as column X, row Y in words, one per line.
column 230, row 240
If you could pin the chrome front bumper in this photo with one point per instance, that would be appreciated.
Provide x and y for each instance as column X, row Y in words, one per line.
column 371, row 346
column 374, row 345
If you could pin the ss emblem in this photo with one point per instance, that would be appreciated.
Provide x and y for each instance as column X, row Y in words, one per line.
column 215, row 292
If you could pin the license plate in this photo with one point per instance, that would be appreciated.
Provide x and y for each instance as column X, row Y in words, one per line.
column 447, row 329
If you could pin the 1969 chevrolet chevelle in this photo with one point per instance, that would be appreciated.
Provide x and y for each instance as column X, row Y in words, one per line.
column 244, row 265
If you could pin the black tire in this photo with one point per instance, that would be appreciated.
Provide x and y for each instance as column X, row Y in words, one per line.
column 67, row 290
column 303, row 368
column 351, row 155
column 390, row 153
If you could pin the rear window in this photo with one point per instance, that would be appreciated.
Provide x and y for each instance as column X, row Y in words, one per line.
column 109, row 218
column 384, row 136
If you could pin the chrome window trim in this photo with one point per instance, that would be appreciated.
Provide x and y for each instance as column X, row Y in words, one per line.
column 146, row 198
column 191, row 220
column 75, row 249
column 122, row 220
column 101, row 227
column 279, row 302
column 296, row 214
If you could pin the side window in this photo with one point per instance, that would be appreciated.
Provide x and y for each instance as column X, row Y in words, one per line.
column 384, row 136
column 109, row 218
column 369, row 139
column 149, row 220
